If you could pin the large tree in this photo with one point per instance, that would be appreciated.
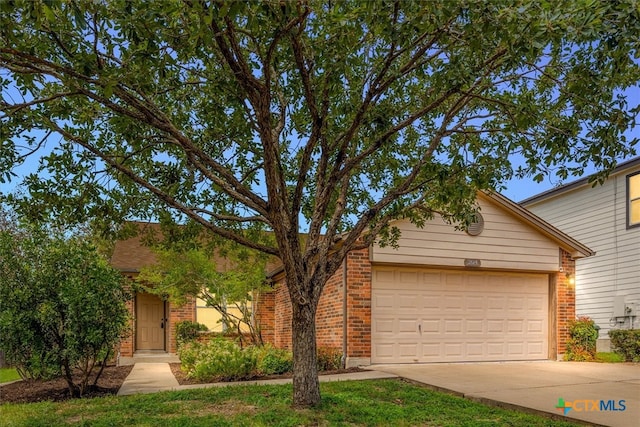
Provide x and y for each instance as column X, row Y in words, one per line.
column 333, row 118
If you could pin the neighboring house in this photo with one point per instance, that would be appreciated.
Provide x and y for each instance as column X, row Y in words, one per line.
column 607, row 219
column 501, row 291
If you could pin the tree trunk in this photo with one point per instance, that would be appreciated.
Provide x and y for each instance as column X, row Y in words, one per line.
column 306, row 387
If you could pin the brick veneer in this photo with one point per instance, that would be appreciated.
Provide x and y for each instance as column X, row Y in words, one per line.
column 274, row 309
column 186, row 311
column 264, row 315
column 566, row 299
column 276, row 327
column 126, row 344
column 358, row 308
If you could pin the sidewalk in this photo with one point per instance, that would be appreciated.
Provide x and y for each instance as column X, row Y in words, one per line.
column 154, row 377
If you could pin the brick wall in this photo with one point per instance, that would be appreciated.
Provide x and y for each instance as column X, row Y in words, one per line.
column 282, row 316
column 359, row 304
column 186, row 311
column 126, row 344
column 329, row 315
column 566, row 298
column 264, row 304
column 277, row 328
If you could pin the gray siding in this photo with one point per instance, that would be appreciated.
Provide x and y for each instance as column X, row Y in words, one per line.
column 597, row 218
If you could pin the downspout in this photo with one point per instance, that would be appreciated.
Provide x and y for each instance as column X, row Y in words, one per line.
column 344, row 311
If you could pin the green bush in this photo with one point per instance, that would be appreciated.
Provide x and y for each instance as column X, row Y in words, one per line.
column 187, row 331
column 626, row 343
column 582, row 344
column 329, row 359
column 63, row 307
column 271, row 360
column 217, row 360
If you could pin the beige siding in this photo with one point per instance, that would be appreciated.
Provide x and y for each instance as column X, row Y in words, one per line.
column 505, row 243
column 597, row 218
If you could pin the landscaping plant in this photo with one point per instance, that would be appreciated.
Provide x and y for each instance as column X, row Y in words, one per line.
column 582, row 344
column 187, row 331
column 626, row 343
column 63, row 307
column 217, row 360
column 272, row 361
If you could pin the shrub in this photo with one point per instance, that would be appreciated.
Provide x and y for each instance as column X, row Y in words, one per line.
column 217, row 360
column 329, row 359
column 582, row 344
column 63, row 307
column 626, row 343
column 271, row 360
column 187, row 331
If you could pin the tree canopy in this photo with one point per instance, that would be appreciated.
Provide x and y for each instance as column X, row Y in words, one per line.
column 332, row 118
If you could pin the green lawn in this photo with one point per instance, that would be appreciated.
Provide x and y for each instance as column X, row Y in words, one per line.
column 348, row 403
column 8, row 374
column 609, row 358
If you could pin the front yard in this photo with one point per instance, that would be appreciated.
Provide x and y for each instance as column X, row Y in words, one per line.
column 360, row 403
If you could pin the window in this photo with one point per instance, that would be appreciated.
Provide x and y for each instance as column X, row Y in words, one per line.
column 633, row 200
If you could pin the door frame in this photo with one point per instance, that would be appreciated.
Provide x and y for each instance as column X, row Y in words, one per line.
column 164, row 316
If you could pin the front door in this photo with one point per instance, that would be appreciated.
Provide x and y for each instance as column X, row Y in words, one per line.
column 150, row 322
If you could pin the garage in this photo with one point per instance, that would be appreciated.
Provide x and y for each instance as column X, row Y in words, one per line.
column 440, row 315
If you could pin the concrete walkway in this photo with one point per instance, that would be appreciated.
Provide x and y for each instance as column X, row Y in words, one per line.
column 538, row 386
column 153, row 377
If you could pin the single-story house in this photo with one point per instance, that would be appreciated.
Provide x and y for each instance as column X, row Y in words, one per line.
column 501, row 291
column 153, row 328
column 606, row 218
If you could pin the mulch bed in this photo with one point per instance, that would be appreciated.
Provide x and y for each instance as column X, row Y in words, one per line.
column 56, row 390
column 112, row 377
column 183, row 380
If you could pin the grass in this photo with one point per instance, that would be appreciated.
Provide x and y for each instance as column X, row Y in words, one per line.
column 609, row 357
column 348, row 403
column 8, row 374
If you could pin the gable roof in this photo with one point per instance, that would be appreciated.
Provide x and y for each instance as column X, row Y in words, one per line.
column 582, row 182
column 566, row 242
column 132, row 254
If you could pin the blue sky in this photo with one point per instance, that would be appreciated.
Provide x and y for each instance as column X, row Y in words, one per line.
column 517, row 189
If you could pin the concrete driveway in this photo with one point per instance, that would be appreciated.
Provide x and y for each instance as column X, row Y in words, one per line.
column 599, row 393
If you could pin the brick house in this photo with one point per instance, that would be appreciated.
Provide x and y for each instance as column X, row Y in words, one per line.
column 504, row 290
column 154, row 319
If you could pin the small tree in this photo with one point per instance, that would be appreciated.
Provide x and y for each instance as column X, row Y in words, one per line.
column 182, row 273
column 63, row 307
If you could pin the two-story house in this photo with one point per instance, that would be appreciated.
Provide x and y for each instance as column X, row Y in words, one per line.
column 606, row 218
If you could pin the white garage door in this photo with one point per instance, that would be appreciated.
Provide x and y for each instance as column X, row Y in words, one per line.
column 421, row 315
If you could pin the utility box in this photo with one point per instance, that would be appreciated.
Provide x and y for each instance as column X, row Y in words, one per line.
column 619, row 306
column 630, row 309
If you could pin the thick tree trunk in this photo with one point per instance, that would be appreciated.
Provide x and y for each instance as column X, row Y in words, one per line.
column 306, row 387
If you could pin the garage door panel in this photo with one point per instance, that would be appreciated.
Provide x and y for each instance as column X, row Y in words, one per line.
column 535, row 326
column 475, row 326
column 433, row 316
column 407, row 326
